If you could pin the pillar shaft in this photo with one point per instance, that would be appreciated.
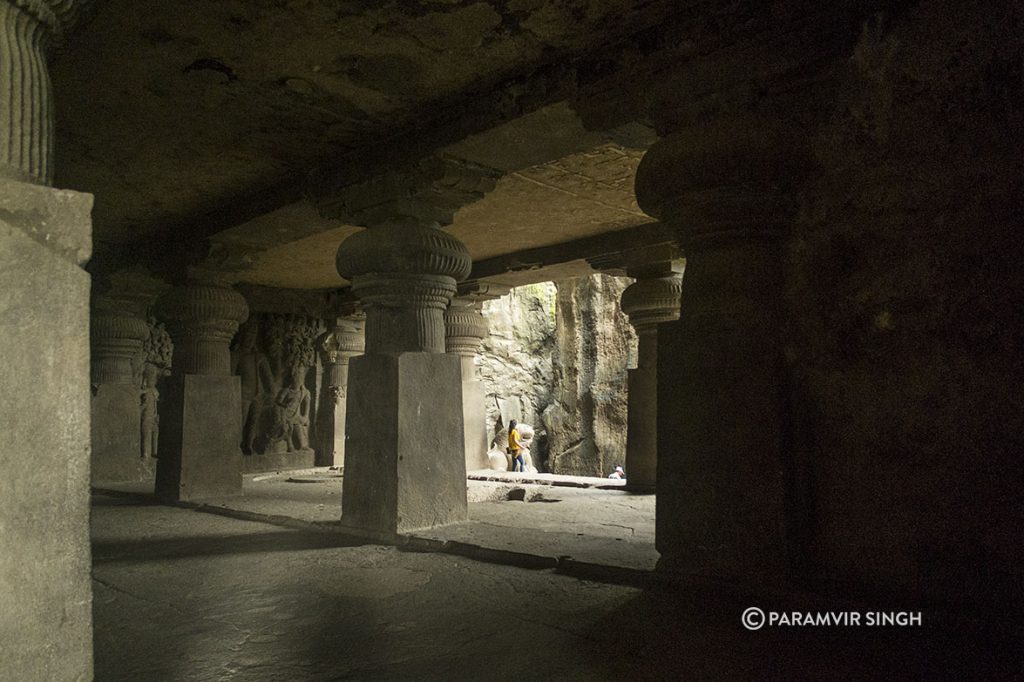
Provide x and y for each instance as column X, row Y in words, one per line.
column 466, row 328
column 344, row 342
column 649, row 302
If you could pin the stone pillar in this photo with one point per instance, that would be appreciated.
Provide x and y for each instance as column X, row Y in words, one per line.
column 721, row 493
column 405, row 463
column 341, row 344
column 116, row 335
column 650, row 301
column 200, row 408
column 45, row 238
column 465, row 330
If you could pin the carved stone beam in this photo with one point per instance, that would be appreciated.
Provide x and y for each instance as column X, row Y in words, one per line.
column 428, row 191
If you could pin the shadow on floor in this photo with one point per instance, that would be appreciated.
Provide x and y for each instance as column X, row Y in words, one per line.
column 179, row 548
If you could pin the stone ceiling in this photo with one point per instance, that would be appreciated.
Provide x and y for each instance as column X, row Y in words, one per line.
column 585, row 190
column 170, row 109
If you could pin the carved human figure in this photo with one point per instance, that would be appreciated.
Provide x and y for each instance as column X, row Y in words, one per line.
column 150, row 421
column 154, row 362
column 291, row 413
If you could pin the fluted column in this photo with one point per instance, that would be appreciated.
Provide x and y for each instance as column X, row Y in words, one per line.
column 465, row 330
column 116, row 338
column 648, row 302
column 27, row 29
column 721, row 505
column 404, row 462
column 342, row 343
column 200, row 408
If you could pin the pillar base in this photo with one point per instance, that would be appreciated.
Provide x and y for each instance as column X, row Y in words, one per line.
column 200, row 432
column 116, row 436
column 405, row 466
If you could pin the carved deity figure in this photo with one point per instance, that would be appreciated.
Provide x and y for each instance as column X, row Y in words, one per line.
column 291, row 413
column 155, row 363
column 272, row 356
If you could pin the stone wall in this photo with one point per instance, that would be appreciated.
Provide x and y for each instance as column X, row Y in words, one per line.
column 586, row 422
column 906, row 302
column 516, row 359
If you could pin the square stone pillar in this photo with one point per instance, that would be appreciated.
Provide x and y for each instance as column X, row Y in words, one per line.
column 200, row 432
column 403, row 431
column 45, row 591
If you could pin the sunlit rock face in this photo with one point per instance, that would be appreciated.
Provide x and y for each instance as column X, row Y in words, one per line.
column 586, row 422
column 516, row 357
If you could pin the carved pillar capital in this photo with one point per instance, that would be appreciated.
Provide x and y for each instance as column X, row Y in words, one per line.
column 649, row 302
column 465, row 327
column 202, row 319
column 27, row 29
column 729, row 180
column 116, row 336
column 405, row 274
column 344, row 340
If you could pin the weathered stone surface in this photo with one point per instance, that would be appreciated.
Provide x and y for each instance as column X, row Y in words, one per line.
column 404, row 467
column 586, row 423
column 906, row 298
column 199, row 436
column 45, row 594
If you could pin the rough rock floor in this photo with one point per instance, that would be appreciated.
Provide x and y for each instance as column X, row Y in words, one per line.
column 187, row 595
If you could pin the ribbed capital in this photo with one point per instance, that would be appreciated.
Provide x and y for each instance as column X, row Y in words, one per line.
column 465, row 328
column 732, row 179
column 202, row 319
column 116, row 339
column 402, row 248
column 346, row 339
column 405, row 276
column 649, row 302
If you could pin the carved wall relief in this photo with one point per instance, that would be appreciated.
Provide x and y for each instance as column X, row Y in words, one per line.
column 273, row 355
column 154, row 362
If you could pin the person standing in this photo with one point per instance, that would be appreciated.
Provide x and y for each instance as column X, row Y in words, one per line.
column 515, row 447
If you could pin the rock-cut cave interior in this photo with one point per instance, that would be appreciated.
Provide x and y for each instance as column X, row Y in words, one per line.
column 511, row 339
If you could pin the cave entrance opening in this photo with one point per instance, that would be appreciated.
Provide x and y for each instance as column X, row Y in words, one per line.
column 557, row 358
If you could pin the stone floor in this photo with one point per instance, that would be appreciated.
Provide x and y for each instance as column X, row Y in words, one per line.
column 590, row 520
column 185, row 595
